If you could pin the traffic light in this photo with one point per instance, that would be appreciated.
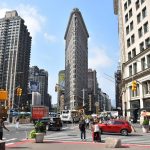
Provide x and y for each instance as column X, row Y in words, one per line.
column 134, row 85
column 19, row 91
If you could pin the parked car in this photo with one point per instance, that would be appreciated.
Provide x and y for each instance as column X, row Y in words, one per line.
column 116, row 126
column 55, row 123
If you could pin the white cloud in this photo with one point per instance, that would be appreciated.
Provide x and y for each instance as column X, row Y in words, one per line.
column 98, row 58
column 33, row 19
column 50, row 38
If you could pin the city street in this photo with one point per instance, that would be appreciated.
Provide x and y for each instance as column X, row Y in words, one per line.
column 71, row 133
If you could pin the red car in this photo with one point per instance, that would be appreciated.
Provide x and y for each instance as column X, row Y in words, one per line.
column 116, row 126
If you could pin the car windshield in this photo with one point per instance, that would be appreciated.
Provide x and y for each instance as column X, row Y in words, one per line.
column 110, row 122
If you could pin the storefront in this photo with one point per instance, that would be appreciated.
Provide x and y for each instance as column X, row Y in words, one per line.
column 146, row 104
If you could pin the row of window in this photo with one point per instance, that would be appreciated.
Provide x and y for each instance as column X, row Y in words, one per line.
column 147, row 44
column 127, row 4
column 131, row 40
column 131, row 55
column 140, row 16
column 137, row 4
column 145, row 28
column 141, row 46
column 144, row 64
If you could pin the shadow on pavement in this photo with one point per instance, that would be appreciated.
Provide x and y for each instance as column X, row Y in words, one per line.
column 15, row 147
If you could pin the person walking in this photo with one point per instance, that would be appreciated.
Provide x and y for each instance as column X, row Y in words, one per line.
column 96, row 132
column 87, row 121
column 17, row 123
column 2, row 125
column 82, row 127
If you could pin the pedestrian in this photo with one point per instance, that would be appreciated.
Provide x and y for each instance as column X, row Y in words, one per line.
column 17, row 123
column 87, row 121
column 2, row 125
column 96, row 132
column 82, row 127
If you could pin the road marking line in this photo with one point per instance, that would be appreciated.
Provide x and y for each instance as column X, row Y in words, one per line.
column 10, row 140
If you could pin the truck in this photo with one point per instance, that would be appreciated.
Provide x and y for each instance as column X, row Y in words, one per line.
column 40, row 113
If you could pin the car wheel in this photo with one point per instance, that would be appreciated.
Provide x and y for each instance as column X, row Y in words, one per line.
column 124, row 132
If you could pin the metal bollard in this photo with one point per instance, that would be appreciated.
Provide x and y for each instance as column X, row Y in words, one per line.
column 2, row 145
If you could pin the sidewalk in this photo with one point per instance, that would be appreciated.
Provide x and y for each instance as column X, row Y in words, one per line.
column 47, row 145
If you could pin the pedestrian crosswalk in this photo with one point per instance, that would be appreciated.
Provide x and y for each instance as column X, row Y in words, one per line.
column 72, row 134
column 75, row 136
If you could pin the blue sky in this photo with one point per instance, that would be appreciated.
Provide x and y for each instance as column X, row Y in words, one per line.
column 47, row 22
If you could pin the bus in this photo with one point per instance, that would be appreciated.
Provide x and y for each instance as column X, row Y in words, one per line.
column 70, row 116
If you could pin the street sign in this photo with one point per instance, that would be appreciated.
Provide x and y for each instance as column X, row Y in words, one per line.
column 3, row 95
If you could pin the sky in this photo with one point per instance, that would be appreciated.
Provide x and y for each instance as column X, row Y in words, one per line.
column 47, row 21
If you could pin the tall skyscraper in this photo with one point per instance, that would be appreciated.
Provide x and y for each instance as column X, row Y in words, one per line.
column 38, row 79
column 134, row 34
column 92, row 90
column 76, row 61
column 15, row 47
column 118, row 89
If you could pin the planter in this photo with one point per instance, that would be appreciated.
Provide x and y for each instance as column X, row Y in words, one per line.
column 39, row 137
column 145, row 128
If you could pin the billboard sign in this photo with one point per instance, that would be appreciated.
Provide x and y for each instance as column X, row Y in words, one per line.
column 33, row 86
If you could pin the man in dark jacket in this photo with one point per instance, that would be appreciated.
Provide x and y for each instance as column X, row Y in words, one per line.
column 82, row 127
column 2, row 125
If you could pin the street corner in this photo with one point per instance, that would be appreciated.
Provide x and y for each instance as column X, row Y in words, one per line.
column 18, row 145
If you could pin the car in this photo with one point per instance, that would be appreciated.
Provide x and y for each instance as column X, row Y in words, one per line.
column 55, row 123
column 44, row 120
column 116, row 126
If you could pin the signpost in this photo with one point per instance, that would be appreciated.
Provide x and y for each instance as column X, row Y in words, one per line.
column 3, row 95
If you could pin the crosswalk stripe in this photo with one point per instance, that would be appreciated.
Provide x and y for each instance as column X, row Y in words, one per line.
column 10, row 140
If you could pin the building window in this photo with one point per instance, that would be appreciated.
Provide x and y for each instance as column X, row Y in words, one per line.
column 128, row 43
column 131, row 26
column 146, row 87
column 137, row 4
column 139, row 18
column 125, row 6
column 144, row 12
column 140, row 32
column 148, row 60
column 137, row 92
column 142, row 1
column 129, row 2
column 126, row 17
column 135, row 68
column 130, row 13
column 146, row 27
column 127, row 30
column 134, row 52
column 147, row 43
column 132, row 39
column 130, row 70
column 129, row 56
column 141, row 46
column 143, row 63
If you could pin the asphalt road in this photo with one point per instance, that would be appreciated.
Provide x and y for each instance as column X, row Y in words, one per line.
column 71, row 132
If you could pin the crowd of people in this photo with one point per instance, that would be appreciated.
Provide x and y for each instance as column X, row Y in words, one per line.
column 93, row 126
